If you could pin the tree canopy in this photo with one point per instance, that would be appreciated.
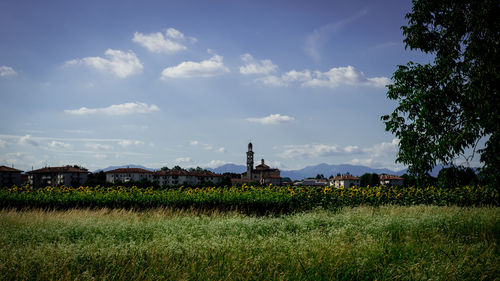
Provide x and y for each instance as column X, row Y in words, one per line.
column 446, row 107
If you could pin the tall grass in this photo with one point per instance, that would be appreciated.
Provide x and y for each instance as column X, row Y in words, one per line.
column 388, row 242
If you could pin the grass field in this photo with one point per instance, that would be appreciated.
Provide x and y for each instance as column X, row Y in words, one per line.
column 353, row 243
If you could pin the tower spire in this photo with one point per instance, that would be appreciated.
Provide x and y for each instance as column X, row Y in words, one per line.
column 249, row 161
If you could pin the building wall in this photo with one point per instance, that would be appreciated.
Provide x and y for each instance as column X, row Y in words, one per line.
column 392, row 182
column 345, row 183
column 57, row 179
column 9, row 179
column 126, row 177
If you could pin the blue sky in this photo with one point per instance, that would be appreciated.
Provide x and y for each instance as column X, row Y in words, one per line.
column 190, row 83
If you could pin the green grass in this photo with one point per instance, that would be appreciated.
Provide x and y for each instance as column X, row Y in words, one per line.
column 360, row 243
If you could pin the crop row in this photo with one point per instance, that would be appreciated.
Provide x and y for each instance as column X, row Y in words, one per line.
column 247, row 199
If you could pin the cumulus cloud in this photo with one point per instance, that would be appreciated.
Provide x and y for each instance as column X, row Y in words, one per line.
column 59, row 144
column 316, row 150
column 183, row 160
column 28, row 139
column 344, row 75
column 272, row 119
column 207, row 146
column 252, row 66
column 169, row 42
column 214, row 164
column 272, row 81
column 7, row 71
column 207, row 68
column 116, row 109
column 332, row 78
column 98, row 146
column 119, row 63
column 126, row 143
column 221, row 150
column 383, row 148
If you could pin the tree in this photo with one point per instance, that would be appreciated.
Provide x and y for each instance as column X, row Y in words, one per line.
column 448, row 106
column 370, row 179
column 453, row 176
column 177, row 168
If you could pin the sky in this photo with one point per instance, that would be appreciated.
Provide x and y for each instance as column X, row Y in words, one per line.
column 190, row 83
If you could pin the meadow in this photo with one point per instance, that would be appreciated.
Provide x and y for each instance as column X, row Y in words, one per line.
column 351, row 243
column 249, row 233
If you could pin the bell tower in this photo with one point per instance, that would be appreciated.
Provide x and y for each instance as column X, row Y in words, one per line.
column 249, row 161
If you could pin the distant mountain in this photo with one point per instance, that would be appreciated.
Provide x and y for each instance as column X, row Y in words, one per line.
column 123, row 166
column 229, row 168
column 328, row 170
column 307, row 172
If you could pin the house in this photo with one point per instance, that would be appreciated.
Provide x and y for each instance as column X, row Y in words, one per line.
column 344, row 181
column 178, row 177
column 128, row 174
column 390, row 180
column 262, row 172
column 56, row 176
column 10, row 176
column 312, row 182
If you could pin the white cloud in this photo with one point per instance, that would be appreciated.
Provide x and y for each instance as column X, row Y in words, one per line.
column 207, row 146
column 169, row 43
column 98, row 146
column 183, row 160
column 352, row 149
column 332, row 78
column 100, row 156
column 272, row 80
column 3, row 144
column 252, row 66
column 59, row 144
column 126, row 143
column 207, row 68
column 28, row 139
column 362, row 162
column 7, row 71
column 214, row 164
column 117, row 62
column 272, row 119
column 344, row 75
column 383, row 149
column 174, row 33
column 19, row 159
column 316, row 150
column 116, row 109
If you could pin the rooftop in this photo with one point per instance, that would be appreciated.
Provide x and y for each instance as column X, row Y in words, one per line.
column 9, row 169
column 63, row 169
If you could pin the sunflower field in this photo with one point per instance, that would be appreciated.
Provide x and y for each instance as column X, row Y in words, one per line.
column 246, row 199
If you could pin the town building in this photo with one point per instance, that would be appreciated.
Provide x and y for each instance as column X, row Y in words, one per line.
column 262, row 173
column 390, row 180
column 344, row 181
column 163, row 178
column 312, row 182
column 178, row 177
column 128, row 174
column 10, row 176
column 57, row 176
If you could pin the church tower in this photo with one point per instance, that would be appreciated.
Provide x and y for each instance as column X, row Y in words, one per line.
column 249, row 161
